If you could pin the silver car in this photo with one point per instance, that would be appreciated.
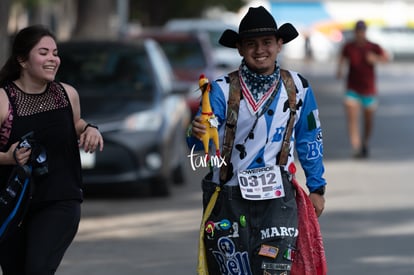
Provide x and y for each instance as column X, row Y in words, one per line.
column 127, row 89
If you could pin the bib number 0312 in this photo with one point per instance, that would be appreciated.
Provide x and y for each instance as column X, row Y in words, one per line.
column 253, row 180
column 261, row 183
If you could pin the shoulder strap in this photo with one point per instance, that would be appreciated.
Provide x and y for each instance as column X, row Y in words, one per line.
column 231, row 124
column 291, row 92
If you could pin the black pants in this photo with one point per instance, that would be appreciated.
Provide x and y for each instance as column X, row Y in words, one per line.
column 37, row 248
column 250, row 237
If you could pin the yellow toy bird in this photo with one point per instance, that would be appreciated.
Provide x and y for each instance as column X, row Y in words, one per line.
column 210, row 121
column 208, row 118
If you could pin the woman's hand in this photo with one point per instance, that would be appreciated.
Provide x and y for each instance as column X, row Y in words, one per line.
column 90, row 140
column 18, row 156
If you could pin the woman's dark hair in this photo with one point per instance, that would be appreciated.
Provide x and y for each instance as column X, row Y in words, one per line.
column 23, row 43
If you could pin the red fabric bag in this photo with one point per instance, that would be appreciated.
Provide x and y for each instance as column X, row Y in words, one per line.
column 310, row 255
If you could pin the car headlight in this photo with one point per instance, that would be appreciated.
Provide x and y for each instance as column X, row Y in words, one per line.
column 143, row 121
column 153, row 160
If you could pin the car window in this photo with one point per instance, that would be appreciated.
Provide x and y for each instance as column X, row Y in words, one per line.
column 107, row 71
column 214, row 37
column 184, row 54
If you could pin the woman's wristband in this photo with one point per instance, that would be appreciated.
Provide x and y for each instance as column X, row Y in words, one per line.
column 90, row 125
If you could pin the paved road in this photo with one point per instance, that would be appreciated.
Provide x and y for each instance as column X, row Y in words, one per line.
column 368, row 225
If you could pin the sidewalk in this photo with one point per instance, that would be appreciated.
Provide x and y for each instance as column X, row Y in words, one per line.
column 369, row 185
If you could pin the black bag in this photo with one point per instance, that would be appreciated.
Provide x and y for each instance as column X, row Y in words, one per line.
column 14, row 199
column 15, row 196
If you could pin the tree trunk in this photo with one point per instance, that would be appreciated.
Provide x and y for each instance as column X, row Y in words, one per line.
column 94, row 19
column 4, row 35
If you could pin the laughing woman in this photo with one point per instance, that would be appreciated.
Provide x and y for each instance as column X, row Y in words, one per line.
column 31, row 101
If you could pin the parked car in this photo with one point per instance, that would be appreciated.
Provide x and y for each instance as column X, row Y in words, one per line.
column 225, row 59
column 190, row 55
column 127, row 89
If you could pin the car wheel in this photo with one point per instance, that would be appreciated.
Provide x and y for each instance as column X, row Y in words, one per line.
column 160, row 187
column 179, row 175
column 179, row 172
column 138, row 189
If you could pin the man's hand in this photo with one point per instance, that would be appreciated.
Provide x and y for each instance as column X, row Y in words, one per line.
column 318, row 202
column 198, row 129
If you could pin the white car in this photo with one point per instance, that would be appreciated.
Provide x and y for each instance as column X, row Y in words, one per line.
column 225, row 59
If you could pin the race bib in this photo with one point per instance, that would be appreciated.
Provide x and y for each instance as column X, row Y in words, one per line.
column 261, row 183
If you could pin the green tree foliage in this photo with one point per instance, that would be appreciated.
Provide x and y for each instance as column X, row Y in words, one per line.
column 157, row 12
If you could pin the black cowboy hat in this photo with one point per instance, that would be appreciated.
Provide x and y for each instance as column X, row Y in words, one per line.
column 258, row 22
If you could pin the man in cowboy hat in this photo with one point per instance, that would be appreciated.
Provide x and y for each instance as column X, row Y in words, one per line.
column 253, row 226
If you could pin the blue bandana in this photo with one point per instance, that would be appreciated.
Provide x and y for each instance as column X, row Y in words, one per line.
column 257, row 87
